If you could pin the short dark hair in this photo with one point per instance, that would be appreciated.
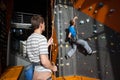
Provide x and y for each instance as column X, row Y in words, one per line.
column 36, row 20
column 71, row 22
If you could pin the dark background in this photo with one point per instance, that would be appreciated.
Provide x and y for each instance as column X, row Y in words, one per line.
column 30, row 6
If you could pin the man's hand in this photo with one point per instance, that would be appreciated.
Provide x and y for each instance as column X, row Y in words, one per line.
column 50, row 41
column 75, row 17
column 54, row 68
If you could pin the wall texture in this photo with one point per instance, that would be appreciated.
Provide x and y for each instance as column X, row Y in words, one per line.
column 105, row 11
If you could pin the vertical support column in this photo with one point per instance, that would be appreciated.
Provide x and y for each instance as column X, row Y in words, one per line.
column 58, row 28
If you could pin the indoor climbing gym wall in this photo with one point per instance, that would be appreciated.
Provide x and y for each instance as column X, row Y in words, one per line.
column 98, row 24
column 63, row 14
column 104, row 11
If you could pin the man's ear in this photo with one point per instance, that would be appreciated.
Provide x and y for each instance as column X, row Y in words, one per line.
column 40, row 25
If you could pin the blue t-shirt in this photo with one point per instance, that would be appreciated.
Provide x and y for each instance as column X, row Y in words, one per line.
column 72, row 31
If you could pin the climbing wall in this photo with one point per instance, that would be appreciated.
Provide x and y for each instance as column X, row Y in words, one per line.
column 97, row 65
column 63, row 14
column 105, row 11
column 104, row 64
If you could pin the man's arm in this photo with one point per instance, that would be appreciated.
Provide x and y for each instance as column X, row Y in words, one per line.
column 50, row 41
column 75, row 18
column 69, row 35
column 46, row 62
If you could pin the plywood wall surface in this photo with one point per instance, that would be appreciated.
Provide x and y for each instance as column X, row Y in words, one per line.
column 102, row 14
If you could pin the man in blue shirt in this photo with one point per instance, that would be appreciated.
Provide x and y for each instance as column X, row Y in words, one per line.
column 73, row 39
